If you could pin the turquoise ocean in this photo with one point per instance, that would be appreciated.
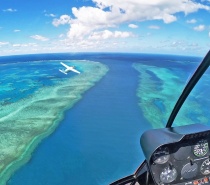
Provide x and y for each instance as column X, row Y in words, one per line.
column 95, row 140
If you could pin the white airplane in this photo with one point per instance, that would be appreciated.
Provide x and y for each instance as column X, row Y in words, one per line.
column 68, row 69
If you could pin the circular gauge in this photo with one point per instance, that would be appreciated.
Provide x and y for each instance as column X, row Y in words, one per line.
column 201, row 148
column 189, row 170
column 161, row 155
column 168, row 174
column 205, row 167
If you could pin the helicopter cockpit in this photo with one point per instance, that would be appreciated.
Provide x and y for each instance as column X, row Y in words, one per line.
column 177, row 155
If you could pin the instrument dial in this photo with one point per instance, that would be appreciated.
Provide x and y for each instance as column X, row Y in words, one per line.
column 189, row 170
column 201, row 148
column 205, row 167
column 168, row 174
column 161, row 155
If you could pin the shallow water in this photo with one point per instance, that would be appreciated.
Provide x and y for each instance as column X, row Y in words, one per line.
column 97, row 142
column 26, row 118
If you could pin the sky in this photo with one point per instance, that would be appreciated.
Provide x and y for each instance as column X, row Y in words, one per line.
column 141, row 26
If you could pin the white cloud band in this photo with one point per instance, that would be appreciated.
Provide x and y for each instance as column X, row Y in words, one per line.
column 109, row 13
column 39, row 37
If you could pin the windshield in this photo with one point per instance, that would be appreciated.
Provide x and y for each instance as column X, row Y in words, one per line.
column 196, row 107
column 81, row 81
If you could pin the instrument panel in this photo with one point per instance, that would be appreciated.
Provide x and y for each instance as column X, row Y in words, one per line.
column 184, row 162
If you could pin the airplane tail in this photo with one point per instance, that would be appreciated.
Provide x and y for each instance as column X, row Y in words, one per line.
column 62, row 71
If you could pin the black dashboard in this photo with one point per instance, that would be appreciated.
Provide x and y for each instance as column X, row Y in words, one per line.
column 178, row 155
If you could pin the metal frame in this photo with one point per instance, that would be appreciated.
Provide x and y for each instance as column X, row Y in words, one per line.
column 188, row 88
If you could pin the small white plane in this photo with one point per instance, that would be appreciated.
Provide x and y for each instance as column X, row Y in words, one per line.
column 68, row 69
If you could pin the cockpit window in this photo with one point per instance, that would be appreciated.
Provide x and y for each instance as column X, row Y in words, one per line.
column 196, row 107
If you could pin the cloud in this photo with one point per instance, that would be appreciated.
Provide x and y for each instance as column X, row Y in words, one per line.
column 184, row 45
column 16, row 30
column 61, row 36
column 50, row 15
column 10, row 10
column 39, row 37
column 133, row 26
column 151, row 10
column 154, row 27
column 203, row 1
column 25, row 45
column 192, row 21
column 91, row 45
column 87, row 20
column 106, row 34
column 3, row 43
column 209, row 34
column 64, row 19
column 199, row 28
column 109, row 13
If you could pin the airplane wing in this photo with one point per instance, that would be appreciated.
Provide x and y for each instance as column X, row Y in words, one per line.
column 62, row 71
column 74, row 70
column 66, row 66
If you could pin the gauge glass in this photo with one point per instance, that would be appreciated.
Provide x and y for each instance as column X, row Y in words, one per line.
column 205, row 167
column 189, row 170
column 161, row 155
column 201, row 148
column 168, row 174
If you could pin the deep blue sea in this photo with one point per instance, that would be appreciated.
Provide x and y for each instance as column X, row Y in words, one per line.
column 97, row 142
